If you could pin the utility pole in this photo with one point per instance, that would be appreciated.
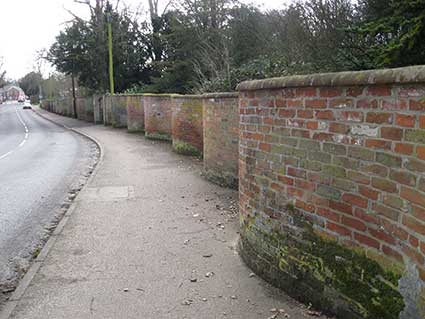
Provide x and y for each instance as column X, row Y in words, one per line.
column 74, row 99
column 111, row 64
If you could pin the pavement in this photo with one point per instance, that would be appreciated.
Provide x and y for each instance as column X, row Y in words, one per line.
column 147, row 237
column 40, row 163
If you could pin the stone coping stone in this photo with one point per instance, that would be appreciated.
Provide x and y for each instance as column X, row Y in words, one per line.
column 217, row 95
column 405, row 75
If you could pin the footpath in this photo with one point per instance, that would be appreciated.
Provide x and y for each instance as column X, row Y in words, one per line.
column 147, row 237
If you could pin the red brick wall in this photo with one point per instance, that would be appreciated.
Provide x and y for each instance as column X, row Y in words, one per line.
column 135, row 113
column 158, row 115
column 85, row 109
column 221, row 138
column 338, row 156
column 187, row 133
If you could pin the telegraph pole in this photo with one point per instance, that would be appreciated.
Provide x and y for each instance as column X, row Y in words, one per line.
column 111, row 64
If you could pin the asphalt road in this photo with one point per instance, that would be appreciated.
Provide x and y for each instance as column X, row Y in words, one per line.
column 39, row 163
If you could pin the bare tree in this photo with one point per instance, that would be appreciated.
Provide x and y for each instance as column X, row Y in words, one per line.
column 3, row 81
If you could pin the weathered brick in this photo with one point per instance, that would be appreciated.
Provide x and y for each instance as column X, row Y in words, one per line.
column 328, row 192
column 414, row 224
column 328, row 214
column 413, row 254
column 265, row 147
column 333, row 170
column 316, row 104
column 366, row 240
column 309, row 144
column 280, row 103
column 403, row 177
column 382, row 144
column 346, row 162
column 368, row 192
column 323, row 136
column 288, row 93
column 353, row 223
column 285, row 180
column 405, row 120
column 307, row 114
column 319, row 178
column 303, row 184
column 420, row 152
column 288, row 141
column 300, row 133
column 382, row 235
column 340, row 103
column 306, row 92
column 361, row 153
column 295, row 192
column 413, row 195
column 343, row 231
column 358, row 177
column 341, row 207
column 422, row 121
column 410, row 91
column 330, row 92
column 392, row 133
column 350, row 116
column 355, row 200
column 417, row 105
column 393, row 201
column 354, row 91
column 287, row 113
column 414, row 242
column 324, row 115
column 392, row 253
column 367, row 104
column 386, row 211
column 388, row 160
column 415, row 165
column 366, row 216
column 319, row 156
column 399, row 104
column 336, row 149
column 312, row 125
column 295, row 103
column 343, row 184
column 379, row 118
column 379, row 90
column 384, row 184
column 416, row 136
column 375, row 169
column 403, row 148
column 339, row 128
column 421, row 184
column 281, row 149
column 305, row 206
column 418, row 212
column 292, row 171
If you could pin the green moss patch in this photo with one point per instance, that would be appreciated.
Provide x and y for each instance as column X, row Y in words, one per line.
column 158, row 136
column 332, row 277
column 184, row 148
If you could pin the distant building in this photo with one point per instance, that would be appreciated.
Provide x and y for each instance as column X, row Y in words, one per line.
column 11, row 93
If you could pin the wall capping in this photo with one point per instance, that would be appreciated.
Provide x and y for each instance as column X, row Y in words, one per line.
column 405, row 75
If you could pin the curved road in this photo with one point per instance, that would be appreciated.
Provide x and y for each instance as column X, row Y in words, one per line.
column 39, row 163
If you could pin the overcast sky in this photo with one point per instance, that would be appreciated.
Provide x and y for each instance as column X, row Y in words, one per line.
column 30, row 25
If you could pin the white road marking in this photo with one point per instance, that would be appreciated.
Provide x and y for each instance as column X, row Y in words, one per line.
column 27, row 133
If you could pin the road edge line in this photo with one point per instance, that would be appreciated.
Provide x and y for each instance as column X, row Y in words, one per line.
column 11, row 304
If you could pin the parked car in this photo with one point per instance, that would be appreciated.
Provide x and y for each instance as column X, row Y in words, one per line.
column 27, row 106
